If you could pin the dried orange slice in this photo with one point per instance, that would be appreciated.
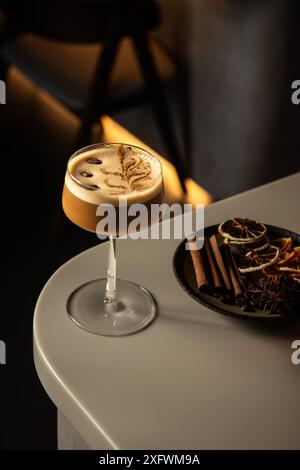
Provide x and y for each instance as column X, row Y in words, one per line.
column 297, row 252
column 284, row 258
column 284, row 244
column 292, row 267
column 259, row 261
column 242, row 230
column 260, row 245
column 237, row 242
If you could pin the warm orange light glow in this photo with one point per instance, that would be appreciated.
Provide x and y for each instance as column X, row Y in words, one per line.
column 113, row 132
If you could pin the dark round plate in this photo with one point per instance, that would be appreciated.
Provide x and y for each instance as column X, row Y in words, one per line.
column 184, row 273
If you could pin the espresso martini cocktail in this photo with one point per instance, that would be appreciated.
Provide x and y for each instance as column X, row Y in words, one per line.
column 114, row 174
column 106, row 175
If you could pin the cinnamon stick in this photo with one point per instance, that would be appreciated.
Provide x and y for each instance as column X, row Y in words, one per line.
column 215, row 276
column 220, row 262
column 199, row 267
column 233, row 273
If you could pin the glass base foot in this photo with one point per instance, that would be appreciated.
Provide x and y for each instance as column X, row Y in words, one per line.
column 133, row 312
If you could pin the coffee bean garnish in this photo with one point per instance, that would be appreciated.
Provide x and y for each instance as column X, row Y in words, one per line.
column 86, row 174
column 94, row 161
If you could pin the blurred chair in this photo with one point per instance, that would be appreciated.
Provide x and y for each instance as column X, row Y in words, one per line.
column 69, row 47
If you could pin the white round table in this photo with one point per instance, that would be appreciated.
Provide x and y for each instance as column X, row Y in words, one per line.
column 194, row 379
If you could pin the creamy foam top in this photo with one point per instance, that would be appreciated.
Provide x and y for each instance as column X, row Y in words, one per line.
column 108, row 173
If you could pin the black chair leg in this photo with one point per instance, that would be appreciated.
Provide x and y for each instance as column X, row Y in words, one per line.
column 99, row 87
column 158, row 101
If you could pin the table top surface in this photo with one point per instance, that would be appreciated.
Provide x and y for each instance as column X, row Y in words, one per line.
column 194, row 379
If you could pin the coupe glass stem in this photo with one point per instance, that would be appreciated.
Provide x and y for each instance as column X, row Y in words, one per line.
column 111, row 290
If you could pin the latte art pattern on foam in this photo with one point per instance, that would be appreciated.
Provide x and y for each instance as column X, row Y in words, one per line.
column 124, row 171
column 134, row 175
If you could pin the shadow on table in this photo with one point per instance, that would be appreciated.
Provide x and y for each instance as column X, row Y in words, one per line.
column 284, row 329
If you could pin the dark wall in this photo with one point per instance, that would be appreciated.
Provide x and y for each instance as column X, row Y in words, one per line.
column 241, row 57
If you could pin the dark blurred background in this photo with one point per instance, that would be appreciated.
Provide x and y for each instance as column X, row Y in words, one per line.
column 225, row 68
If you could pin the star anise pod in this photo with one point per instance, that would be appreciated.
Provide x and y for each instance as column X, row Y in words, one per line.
column 273, row 294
